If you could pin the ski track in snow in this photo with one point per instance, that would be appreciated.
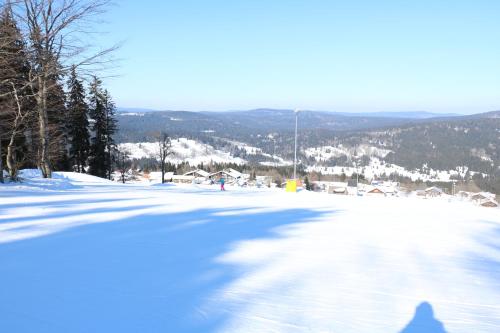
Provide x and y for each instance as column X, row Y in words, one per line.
column 80, row 254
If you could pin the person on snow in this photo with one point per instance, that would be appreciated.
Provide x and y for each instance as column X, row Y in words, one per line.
column 222, row 181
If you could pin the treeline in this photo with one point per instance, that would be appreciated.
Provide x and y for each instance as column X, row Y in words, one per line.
column 50, row 119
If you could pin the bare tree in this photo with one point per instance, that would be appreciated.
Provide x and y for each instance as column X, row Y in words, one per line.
column 16, row 128
column 164, row 149
column 14, row 110
column 55, row 29
column 123, row 162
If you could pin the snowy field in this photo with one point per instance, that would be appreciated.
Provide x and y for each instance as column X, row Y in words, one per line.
column 79, row 254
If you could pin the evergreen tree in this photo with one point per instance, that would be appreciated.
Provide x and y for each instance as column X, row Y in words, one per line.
column 98, row 156
column 57, row 114
column 307, row 184
column 111, row 128
column 78, row 123
column 101, row 111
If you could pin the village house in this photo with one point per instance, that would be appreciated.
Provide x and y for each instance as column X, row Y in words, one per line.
column 375, row 191
column 200, row 176
column 433, row 192
column 330, row 187
column 481, row 196
column 488, row 203
column 338, row 188
column 182, row 179
column 199, row 173
column 420, row 193
column 230, row 175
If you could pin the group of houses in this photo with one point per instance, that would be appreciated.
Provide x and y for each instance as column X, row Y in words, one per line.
column 484, row 199
column 231, row 177
column 351, row 187
column 388, row 188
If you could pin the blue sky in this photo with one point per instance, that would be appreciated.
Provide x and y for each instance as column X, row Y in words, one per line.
column 439, row 56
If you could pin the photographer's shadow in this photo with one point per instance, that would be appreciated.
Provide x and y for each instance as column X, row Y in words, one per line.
column 423, row 321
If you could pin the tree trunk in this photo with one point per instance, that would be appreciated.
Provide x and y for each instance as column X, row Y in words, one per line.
column 109, row 162
column 11, row 158
column 43, row 131
column 162, row 172
column 1, row 160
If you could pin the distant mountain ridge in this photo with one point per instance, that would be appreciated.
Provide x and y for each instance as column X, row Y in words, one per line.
column 380, row 114
column 404, row 114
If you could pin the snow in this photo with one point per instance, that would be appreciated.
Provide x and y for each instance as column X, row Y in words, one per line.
column 277, row 161
column 184, row 150
column 250, row 150
column 325, row 153
column 378, row 168
column 82, row 254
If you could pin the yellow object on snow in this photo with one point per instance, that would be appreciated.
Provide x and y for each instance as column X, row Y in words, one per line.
column 291, row 185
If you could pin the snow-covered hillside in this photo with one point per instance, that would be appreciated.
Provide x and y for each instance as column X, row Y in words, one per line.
column 378, row 168
column 184, row 150
column 81, row 254
column 325, row 153
column 195, row 153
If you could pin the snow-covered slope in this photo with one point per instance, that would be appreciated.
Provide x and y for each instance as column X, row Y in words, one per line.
column 325, row 153
column 93, row 256
column 378, row 168
column 184, row 150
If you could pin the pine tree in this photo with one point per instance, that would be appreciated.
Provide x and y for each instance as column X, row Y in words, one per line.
column 111, row 127
column 98, row 156
column 102, row 111
column 307, row 184
column 57, row 114
column 78, row 123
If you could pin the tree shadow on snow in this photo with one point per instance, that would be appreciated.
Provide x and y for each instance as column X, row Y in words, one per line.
column 145, row 273
column 423, row 321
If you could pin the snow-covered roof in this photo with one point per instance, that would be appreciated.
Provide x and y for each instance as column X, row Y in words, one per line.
column 375, row 189
column 233, row 173
column 489, row 203
column 486, row 195
column 227, row 173
column 200, row 172
column 434, row 189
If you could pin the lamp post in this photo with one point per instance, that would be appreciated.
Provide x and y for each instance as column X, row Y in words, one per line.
column 295, row 154
column 274, row 153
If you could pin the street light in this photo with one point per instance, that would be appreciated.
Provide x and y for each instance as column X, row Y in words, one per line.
column 295, row 155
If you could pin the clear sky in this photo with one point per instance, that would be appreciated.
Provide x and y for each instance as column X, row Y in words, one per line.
column 350, row 55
